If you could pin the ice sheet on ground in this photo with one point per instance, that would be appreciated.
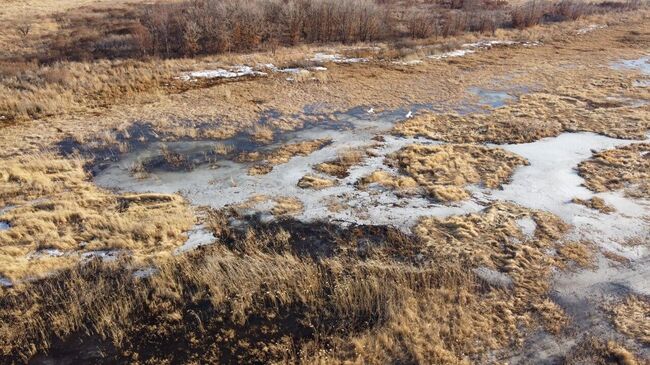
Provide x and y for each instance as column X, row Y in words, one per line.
column 237, row 71
column 198, row 236
column 336, row 58
column 551, row 181
column 591, row 28
column 493, row 277
column 230, row 184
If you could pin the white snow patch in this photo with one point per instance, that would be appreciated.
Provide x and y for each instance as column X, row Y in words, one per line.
column 336, row 58
column 105, row 255
column 493, row 277
column 237, row 71
column 551, row 181
column 4, row 225
column 590, row 28
column 527, row 226
column 408, row 63
column 198, row 236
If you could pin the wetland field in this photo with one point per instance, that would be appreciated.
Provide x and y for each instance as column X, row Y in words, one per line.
column 323, row 181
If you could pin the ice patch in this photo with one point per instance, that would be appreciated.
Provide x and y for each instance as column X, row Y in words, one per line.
column 5, row 282
column 51, row 252
column 408, row 63
column 551, row 181
column 237, row 71
column 4, row 225
column 105, row 255
column 591, row 28
column 198, row 236
column 451, row 54
column 336, row 58
column 144, row 273
column 493, row 277
column 469, row 48
column 641, row 64
column 230, row 184
column 527, row 226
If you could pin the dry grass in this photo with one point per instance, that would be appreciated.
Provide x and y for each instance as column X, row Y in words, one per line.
column 598, row 352
column 631, row 318
column 58, row 208
column 339, row 167
column 258, row 294
column 315, row 182
column 536, row 116
column 624, row 168
column 282, row 155
column 444, row 171
column 388, row 180
column 595, row 203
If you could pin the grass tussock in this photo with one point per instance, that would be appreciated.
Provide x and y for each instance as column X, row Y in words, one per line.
column 341, row 164
column 444, row 171
column 56, row 207
column 624, row 168
column 595, row 203
column 388, row 180
column 281, row 155
column 315, row 182
column 630, row 318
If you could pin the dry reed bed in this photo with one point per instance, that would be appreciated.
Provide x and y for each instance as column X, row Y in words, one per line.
column 57, row 207
column 255, row 297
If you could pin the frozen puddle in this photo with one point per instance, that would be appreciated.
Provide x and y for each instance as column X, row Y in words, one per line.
column 550, row 182
column 4, row 226
column 640, row 64
column 229, row 183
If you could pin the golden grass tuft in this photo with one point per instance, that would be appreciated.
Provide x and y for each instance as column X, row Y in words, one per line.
column 388, row 180
column 58, row 208
column 624, row 168
column 341, row 164
column 315, row 182
column 631, row 318
column 444, row 171
column 595, row 203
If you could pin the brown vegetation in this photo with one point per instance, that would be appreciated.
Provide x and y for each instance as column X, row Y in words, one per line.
column 536, row 116
column 624, row 168
column 595, row 203
column 58, row 208
column 444, row 171
column 282, row 155
column 315, row 182
column 339, row 167
column 388, row 180
column 631, row 318
column 370, row 294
